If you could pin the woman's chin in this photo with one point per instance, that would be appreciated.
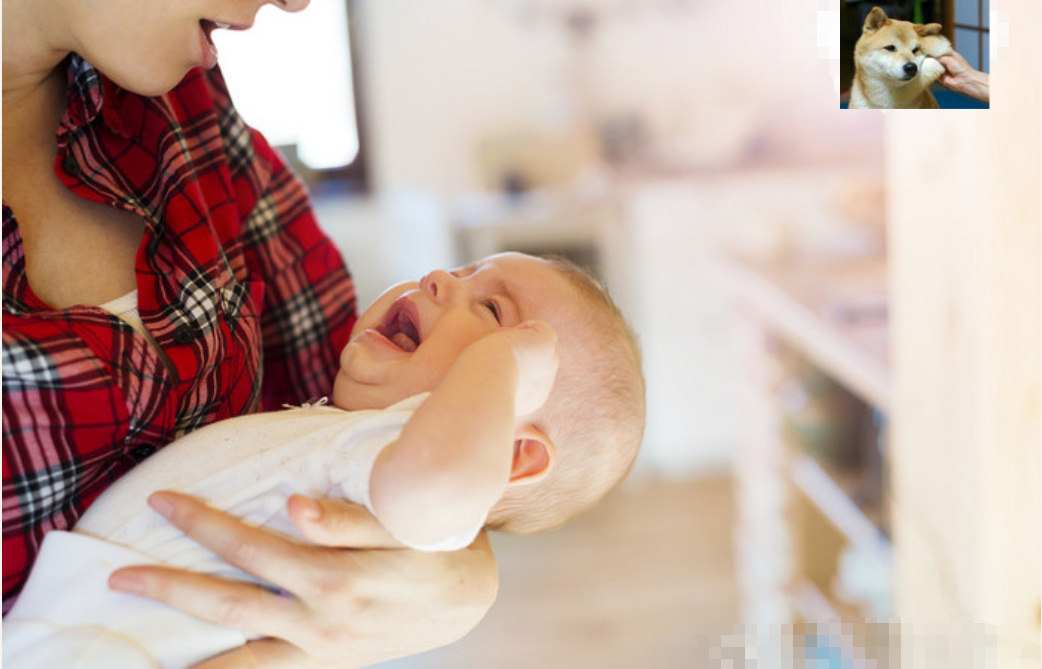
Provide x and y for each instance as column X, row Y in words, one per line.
column 148, row 83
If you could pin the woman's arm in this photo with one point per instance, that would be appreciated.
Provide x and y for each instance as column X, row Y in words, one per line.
column 349, row 607
column 454, row 457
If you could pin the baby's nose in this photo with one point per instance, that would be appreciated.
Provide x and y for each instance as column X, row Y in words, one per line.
column 437, row 284
column 910, row 69
column 292, row 5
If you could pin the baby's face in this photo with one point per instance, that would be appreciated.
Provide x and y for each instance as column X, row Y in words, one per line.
column 406, row 341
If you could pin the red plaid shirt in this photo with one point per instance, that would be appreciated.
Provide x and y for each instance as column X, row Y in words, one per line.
column 233, row 270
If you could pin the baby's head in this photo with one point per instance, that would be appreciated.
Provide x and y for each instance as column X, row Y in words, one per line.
column 594, row 417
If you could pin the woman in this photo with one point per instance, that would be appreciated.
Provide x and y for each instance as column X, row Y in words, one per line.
column 156, row 251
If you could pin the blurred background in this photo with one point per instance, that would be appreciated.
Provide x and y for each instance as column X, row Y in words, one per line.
column 839, row 311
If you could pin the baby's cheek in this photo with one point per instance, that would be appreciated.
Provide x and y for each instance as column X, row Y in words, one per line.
column 341, row 396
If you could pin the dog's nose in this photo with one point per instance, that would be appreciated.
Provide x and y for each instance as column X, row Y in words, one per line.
column 911, row 69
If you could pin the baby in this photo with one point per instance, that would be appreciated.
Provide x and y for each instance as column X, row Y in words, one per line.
column 505, row 395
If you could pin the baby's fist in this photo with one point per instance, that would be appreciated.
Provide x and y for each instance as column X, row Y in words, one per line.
column 534, row 344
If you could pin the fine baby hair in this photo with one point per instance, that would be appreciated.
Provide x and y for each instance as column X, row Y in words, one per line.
column 595, row 415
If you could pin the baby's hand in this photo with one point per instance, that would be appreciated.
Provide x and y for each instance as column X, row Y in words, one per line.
column 534, row 344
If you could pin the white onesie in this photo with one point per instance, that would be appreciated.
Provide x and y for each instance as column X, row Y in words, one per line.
column 249, row 466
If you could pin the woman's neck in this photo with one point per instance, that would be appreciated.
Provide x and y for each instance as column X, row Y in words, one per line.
column 33, row 48
column 34, row 103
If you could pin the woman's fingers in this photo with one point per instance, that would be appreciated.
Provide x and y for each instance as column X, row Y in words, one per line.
column 267, row 555
column 348, row 605
column 237, row 604
column 260, row 654
column 332, row 523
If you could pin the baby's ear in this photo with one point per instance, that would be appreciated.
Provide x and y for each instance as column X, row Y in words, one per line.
column 875, row 20
column 928, row 29
column 534, row 456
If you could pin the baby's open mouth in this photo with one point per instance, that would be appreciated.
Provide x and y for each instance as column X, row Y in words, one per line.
column 400, row 326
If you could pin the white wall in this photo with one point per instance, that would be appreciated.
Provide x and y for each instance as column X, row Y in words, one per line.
column 441, row 75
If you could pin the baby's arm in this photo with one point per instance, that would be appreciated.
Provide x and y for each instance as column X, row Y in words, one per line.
column 453, row 460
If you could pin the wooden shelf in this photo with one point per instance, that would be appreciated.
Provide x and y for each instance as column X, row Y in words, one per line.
column 837, row 548
column 835, row 503
column 814, row 606
column 811, row 604
column 833, row 311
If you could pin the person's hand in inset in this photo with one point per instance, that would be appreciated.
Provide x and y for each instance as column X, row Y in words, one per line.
column 962, row 78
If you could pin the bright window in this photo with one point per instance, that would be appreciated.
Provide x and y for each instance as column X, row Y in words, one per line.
column 291, row 78
column 971, row 32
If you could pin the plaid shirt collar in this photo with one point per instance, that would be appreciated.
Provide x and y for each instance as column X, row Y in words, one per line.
column 89, row 95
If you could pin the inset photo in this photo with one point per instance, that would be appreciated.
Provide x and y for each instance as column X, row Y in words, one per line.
column 914, row 54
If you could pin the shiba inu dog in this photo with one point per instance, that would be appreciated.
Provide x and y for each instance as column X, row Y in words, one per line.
column 895, row 63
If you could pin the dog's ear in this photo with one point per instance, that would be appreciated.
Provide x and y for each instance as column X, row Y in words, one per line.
column 875, row 20
column 928, row 29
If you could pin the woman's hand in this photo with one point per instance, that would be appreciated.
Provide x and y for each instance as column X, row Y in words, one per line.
column 961, row 77
column 355, row 599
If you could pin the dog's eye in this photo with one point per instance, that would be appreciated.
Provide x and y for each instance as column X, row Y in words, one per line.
column 915, row 50
column 890, row 48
